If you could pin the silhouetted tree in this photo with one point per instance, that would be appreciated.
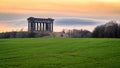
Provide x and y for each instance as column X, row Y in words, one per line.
column 108, row 30
column 118, row 31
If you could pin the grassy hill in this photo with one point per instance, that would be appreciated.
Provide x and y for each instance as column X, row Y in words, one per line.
column 59, row 53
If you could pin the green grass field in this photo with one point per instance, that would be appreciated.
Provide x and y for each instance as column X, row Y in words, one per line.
column 59, row 53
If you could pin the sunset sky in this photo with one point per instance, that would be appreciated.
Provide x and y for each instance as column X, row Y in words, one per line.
column 13, row 13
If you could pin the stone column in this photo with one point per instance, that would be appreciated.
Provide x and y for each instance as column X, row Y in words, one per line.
column 37, row 26
column 29, row 26
column 46, row 26
column 52, row 26
column 40, row 26
column 32, row 26
column 49, row 27
column 43, row 26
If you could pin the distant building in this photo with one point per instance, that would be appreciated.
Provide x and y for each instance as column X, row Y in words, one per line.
column 40, row 24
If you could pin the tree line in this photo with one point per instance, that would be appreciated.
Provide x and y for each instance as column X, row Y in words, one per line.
column 23, row 34
column 108, row 30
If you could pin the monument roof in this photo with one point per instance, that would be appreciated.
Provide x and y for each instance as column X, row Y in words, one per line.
column 32, row 18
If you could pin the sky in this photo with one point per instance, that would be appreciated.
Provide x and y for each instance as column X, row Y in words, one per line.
column 68, row 14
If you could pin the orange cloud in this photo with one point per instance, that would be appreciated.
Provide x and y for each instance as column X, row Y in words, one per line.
column 62, row 7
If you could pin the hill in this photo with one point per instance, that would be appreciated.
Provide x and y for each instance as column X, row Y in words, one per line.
column 60, row 53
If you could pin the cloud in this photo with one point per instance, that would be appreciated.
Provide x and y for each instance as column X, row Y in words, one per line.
column 13, row 21
column 10, row 16
column 72, row 21
column 10, row 22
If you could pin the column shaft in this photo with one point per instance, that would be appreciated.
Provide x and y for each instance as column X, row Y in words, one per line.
column 52, row 27
column 33, row 26
column 40, row 26
column 49, row 27
column 43, row 26
column 37, row 26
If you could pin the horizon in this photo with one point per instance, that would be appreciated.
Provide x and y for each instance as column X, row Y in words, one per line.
column 79, row 14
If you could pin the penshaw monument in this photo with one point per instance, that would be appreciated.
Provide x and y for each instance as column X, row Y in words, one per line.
column 40, row 24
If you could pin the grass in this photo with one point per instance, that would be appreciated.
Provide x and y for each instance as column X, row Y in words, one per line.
column 59, row 53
